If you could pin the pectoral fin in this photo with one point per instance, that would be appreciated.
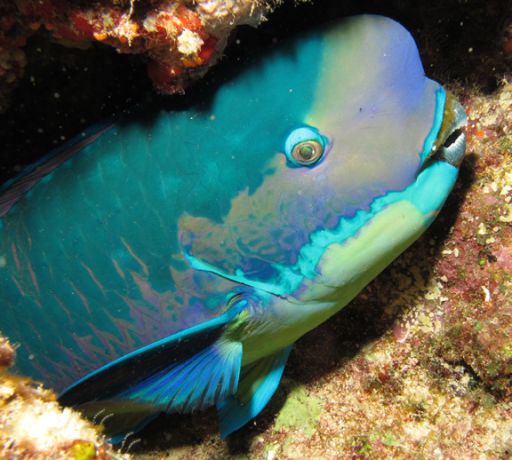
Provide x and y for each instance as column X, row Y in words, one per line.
column 189, row 370
column 195, row 383
column 258, row 382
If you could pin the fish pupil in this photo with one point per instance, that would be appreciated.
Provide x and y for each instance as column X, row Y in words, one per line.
column 307, row 151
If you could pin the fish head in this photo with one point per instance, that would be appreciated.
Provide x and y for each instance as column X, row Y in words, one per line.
column 387, row 144
column 345, row 183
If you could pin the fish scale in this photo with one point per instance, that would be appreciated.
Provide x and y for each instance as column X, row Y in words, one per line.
column 168, row 261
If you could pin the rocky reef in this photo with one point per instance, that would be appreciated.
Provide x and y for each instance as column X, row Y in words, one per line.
column 420, row 364
column 34, row 426
column 179, row 39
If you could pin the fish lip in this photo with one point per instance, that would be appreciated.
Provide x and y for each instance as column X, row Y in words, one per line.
column 450, row 146
column 454, row 146
column 454, row 152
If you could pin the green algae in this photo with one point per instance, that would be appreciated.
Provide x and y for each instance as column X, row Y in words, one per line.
column 505, row 143
column 507, row 351
column 389, row 440
column 83, row 451
column 300, row 411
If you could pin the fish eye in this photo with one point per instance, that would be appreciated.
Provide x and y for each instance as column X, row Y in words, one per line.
column 305, row 146
column 308, row 152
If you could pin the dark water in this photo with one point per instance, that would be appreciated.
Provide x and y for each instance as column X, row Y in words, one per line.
column 66, row 90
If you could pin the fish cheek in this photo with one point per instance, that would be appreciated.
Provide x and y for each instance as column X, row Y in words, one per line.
column 266, row 228
column 233, row 249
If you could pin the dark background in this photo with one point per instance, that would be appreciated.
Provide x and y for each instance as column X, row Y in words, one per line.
column 65, row 90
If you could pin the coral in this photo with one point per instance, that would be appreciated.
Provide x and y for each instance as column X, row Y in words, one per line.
column 478, row 260
column 33, row 425
column 6, row 354
column 180, row 39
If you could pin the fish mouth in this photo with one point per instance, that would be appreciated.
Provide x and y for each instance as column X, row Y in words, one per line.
column 450, row 144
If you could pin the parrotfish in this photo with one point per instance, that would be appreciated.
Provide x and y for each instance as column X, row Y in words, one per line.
column 168, row 263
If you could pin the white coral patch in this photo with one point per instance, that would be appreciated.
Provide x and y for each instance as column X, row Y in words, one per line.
column 222, row 14
column 189, row 42
column 45, row 425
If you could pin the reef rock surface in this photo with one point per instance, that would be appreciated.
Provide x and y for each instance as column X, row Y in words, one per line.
column 180, row 39
column 34, row 426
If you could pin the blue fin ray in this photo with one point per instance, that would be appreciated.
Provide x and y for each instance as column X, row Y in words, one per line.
column 197, row 383
column 258, row 382
column 167, row 364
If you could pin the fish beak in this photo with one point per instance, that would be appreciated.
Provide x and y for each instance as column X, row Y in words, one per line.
column 453, row 148
column 450, row 144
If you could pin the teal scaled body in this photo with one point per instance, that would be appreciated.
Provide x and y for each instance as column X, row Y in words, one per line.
column 168, row 264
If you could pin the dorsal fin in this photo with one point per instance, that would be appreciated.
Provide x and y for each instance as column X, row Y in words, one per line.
column 13, row 189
